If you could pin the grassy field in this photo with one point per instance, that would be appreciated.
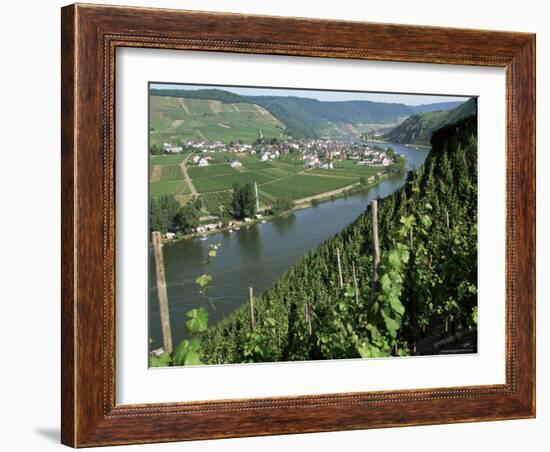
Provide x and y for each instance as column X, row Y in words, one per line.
column 172, row 159
column 275, row 178
column 196, row 172
column 170, row 172
column 168, row 187
column 348, row 169
column 302, row 185
column 225, row 182
column 173, row 119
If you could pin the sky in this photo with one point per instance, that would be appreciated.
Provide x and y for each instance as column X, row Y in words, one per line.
column 407, row 99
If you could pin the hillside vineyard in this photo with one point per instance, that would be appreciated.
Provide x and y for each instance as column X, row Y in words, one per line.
column 427, row 284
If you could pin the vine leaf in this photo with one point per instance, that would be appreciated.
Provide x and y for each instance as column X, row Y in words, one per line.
column 198, row 320
column 188, row 353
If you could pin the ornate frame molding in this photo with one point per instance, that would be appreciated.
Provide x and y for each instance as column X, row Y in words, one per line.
column 90, row 37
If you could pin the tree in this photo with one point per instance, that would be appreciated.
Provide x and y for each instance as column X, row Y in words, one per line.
column 155, row 150
column 187, row 218
column 162, row 211
column 281, row 206
column 244, row 200
column 363, row 181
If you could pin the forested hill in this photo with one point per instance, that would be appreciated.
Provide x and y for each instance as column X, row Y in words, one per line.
column 418, row 128
column 305, row 117
column 423, row 108
column 301, row 117
column 427, row 274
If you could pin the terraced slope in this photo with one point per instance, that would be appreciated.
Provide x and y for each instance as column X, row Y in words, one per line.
column 174, row 119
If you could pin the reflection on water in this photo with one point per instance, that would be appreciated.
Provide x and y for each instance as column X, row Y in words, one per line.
column 256, row 255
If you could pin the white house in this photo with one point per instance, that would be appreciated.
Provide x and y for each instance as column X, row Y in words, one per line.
column 235, row 164
column 264, row 157
column 170, row 235
column 168, row 147
column 203, row 162
column 326, row 165
column 386, row 162
column 196, row 158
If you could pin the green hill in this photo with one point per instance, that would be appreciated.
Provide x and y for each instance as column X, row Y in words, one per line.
column 306, row 117
column 302, row 117
column 418, row 128
column 175, row 119
column 216, row 114
column 423, row 108
column 427, row 276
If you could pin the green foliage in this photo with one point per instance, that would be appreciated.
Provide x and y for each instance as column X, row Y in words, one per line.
column 244, row 201
column 163, row 360
column 187, row 218
column 162, row 212
column 281, row 206
column 187, row 353
column 427, row 273
column 198, row 320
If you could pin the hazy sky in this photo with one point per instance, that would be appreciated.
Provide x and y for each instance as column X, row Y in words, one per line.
column 407, row 99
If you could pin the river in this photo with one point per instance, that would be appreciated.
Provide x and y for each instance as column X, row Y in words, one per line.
column 256, row 255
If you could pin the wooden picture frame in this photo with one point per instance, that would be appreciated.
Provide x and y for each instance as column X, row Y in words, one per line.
column 90, row 36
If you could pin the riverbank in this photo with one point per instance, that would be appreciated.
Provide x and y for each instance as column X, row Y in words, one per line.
column 258, row 254
column 299, row 204
column 409, row 145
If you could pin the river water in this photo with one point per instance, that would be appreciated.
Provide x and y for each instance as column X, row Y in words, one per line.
column 256, row 255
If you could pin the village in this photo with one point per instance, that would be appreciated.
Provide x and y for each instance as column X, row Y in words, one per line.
column 302, row 172
column 314, row 153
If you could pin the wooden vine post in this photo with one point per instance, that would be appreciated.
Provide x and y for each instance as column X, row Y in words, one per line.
column 251, row 308
column 162, row 292
column 448, row 225
column 340, row 278
column 375, row 242
column 308, row 318
column 355, row 285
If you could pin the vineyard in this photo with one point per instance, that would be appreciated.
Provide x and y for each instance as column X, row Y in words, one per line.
column 284, row 177
column 213, row 201
column 327, row 306
column 170, row 159
column 302, row 185
column 171, row 172
column 226, row 182
column 206, row 171
column 168, row 187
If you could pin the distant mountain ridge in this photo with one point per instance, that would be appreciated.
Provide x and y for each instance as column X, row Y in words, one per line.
column 418, row 128
column 311, row 118
column 424, row 108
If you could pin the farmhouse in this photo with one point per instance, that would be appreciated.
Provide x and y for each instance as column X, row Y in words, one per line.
column 326, row 165
column 168, row 147
column 235, row 163
column 203, row 162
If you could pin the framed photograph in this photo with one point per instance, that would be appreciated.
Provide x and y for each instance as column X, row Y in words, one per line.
column 280, row 225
